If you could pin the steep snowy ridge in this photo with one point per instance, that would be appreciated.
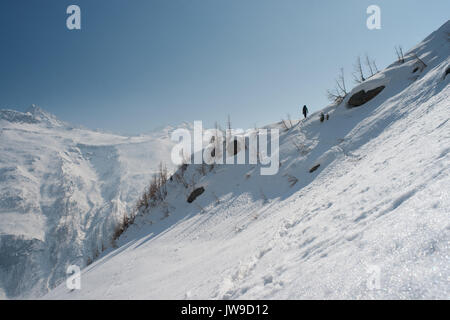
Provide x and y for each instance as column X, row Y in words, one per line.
column 63, row 190
column 371, row 222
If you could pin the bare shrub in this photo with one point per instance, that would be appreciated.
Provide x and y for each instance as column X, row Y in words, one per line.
column 202, row 169
column 340, row 91
column 292, row 180
column 289, row 119
column 263, row 196
column 122, row 226
column 202, row 210
column 399, row 53
column 284, row 124
column 358, row 74
column 422, row 65
column 165, row 209
column 369, row 65
column 301, row 148
column 217, row 200
column 156, row 191
column 180, row 179
column 375, row 66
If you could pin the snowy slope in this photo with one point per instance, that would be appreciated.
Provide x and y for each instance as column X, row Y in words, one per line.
column 62, row 191
column 377, row 206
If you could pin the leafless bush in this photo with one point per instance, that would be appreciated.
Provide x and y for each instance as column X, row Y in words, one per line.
column 292, row 180
column 165, row 209
column 375, row 66
column 358, row 74
column 302, row 149
column 156, row 191
column 215, row 197
column 340, row 82
column 96, row 253
column 192, row 183
column 179, row 177
column 202, row 210
column 289, row 119
column 122, row 226
column 369, row 65
column 263, row 196
column 400, row 56
column 334, row 97
column 340, row 91
column 422, row 65
column 284, row 124
column 202, row 169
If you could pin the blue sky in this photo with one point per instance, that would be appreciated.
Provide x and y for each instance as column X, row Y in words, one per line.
column 138, row 65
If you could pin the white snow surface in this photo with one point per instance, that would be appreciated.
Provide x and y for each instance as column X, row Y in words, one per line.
column 372, row 222
column 62, row 191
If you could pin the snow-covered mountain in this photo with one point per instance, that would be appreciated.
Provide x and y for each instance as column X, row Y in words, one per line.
column 62, row 192
column 372, row 221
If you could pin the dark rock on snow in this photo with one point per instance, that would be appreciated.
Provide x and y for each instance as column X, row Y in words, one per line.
column 362, row 96
column 195, row 194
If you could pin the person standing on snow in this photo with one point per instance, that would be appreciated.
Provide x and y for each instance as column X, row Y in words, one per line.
column 305, row 111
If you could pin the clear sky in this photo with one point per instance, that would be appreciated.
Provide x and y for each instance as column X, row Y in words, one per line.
column 141, row 64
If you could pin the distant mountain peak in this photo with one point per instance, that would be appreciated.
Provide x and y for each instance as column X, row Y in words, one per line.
column 34, row 110
column 34, row 114
column 43, row 116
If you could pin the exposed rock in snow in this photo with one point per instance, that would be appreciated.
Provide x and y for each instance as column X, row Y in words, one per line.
column 194, row 194
column 362, row 96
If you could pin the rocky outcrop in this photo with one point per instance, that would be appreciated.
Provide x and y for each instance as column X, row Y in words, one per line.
column 361, row 97
column 314, row 168
column 195, row 194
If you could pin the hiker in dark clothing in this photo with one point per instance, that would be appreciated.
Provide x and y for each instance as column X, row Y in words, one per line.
column 305, row 111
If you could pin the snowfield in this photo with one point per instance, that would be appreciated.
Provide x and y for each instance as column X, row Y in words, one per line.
column 62, row 192
column 372, row 222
